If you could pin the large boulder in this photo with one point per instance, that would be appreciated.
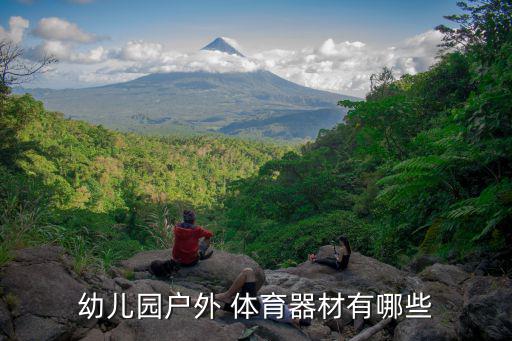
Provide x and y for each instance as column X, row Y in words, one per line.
column 450, row 275
column 6, row 325
column 43, row 294
column 218, row 271
column 363, row 274
column 176, row 328
column 420, row 262
column 443, row 284
column 487, row 311
column 424, row 330
column 267, row 329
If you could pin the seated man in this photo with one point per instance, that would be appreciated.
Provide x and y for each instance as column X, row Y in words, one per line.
column 190, row 241
column 246, row 283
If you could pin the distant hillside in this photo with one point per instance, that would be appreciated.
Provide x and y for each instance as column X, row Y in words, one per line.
column 259, row 103
column 286, row 124
column 200, row 101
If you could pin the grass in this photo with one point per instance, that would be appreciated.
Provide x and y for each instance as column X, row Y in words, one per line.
column 5, row 254
column 12, row 302
column 128, row 274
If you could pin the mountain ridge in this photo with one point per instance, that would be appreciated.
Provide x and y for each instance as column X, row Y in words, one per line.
column 258, row 103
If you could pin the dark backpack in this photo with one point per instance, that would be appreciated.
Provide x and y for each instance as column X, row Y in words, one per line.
column 163, row 269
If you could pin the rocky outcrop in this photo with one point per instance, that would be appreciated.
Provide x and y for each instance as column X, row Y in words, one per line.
column 364, row 274
column 487, row 310
column 214, row 273
column 40, row 294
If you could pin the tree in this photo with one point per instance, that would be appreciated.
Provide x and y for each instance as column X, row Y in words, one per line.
column 380, row 84
column 15, row 69
column 484, row 27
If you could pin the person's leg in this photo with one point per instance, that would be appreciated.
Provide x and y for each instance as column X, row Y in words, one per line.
column 329, row 261
column 246, row 276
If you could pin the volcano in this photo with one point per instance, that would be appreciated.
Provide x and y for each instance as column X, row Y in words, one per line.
column 256, row 104
column 221, row 44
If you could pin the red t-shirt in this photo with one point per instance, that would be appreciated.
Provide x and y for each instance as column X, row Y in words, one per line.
column 186, row 243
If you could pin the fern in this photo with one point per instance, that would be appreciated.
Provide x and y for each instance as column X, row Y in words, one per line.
column 489, row 209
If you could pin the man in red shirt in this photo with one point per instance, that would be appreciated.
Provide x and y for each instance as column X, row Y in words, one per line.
column 190, row 241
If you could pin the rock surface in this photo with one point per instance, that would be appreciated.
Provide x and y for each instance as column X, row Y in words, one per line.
column 43, row 293
column 40, row 293
column 487, row 311
column 217, row 271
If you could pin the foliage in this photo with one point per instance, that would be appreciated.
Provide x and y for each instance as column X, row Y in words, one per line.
column 423, row 165
column 105, row 195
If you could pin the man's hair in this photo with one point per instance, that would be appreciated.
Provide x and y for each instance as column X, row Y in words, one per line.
column 189, row 216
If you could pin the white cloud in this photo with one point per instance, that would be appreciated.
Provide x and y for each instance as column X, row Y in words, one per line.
column 62, row 30
column 17, row 27
column 139, row 51
column 152, row 57
column 345, row 67
column 65, row 52
column 342, row 67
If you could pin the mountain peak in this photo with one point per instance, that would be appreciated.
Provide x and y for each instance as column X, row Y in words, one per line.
column 223, row 44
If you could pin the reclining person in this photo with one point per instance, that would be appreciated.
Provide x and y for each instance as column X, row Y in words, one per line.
column 336, row 262
column 245, row 283
column 191, row 242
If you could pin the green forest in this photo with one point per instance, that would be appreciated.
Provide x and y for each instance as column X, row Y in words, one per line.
column 106, row 195
column 421, row 166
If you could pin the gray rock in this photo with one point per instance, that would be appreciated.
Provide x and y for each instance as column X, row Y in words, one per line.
column 448, row 274
column 336, row 325
column 142, row 260
column 364, row 274
column 317, row 331
column 123, row 282
column 96, row 335
column 46, row 293
column 487, row 311
column 44, row 289
column 219, row 270
column 446, row 304
column 41, row 254
column 176, row 328
column 267, row 329
column 34, row 328
column 6, row 326
column 421, row 262
column 424, row 330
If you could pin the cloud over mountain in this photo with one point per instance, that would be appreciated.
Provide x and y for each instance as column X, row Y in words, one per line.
column 342, row 67
column 346, row 66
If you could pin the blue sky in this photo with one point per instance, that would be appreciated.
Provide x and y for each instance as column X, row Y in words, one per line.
column 258, row 26
column 275, row 23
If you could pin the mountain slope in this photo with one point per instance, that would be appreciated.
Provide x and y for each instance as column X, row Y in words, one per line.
column 202, row 101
